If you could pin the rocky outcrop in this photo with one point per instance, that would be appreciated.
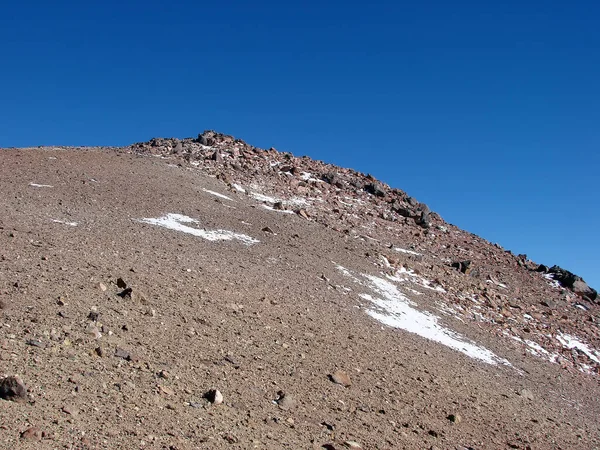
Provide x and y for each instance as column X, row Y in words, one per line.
column 570, row 281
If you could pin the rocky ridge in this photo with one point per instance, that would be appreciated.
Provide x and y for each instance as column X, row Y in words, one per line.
column 502, row 291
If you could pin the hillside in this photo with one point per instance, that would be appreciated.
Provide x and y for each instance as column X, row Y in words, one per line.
column 327, row 309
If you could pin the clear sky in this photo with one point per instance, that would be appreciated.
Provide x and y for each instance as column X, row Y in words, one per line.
column 487, row 111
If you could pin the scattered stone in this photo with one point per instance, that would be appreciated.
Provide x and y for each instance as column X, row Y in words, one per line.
column 120, row 353
column 13, row 389
column 526, row 394
column 376, row 188
column 570, row 281
column 353, row 445
column 341, row 377
column 216, row 156
column 285, row 401
column 268, row 230
column 455, row 418
column 121, row 284
column 303, row 213
column 166, row 390
column 102, row 287
column 35, row 343
column 93, row 331
column 125, row 293
column 462, row 266
column 214, row 396
column 32, row 434
column 70, row 410
column 99, row 351
column 94, row 314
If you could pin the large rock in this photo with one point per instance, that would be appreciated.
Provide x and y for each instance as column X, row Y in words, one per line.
column 376, row 188
column 13, row 389
column 570, row 281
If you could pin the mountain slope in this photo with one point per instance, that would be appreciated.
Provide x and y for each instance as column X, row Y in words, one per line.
column 263, row 275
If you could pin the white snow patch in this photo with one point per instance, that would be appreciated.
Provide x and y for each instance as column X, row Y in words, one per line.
column 177, row 222
column 295, row 201
column 414, row 278
column 552, row 281
column 263, row 198
column 571, row 342
column 307, row 176
column 395, row 310
column 538, row 350
column 40, row 185
column 497, row 283
column 408, row 252
column 216, row 194
column 270, row 208
column 71, row 224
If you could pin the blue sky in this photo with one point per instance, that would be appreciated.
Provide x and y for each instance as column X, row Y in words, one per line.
column 487, row 111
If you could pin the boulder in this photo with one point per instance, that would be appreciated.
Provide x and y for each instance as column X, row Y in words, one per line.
column 376, row 188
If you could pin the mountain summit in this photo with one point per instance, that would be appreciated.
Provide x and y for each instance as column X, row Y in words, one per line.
column 205, row 293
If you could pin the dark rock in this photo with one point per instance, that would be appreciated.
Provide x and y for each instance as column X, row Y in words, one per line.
column 423, row 208
column 573, row 282
column 462, row 266
column 214, row 396
column 13, row 389
column 423, row 220
column 35, row 343
column 207, row 138
column 121, row 284
column 375, row 188
column 330, row 177
column 125, row 293
column 404, row 212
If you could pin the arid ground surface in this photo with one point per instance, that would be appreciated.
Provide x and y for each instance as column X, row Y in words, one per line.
column 135, row 281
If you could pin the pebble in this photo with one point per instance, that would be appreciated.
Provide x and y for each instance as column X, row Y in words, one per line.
column 120, row 353
column 286, row 401
column 32, row 434
column 214, row 396
column 341, row 377
column 67, row 409
column 92, row 330
column 455, row 418
column 353, row 445
column 526, row 394
column 13, row 389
